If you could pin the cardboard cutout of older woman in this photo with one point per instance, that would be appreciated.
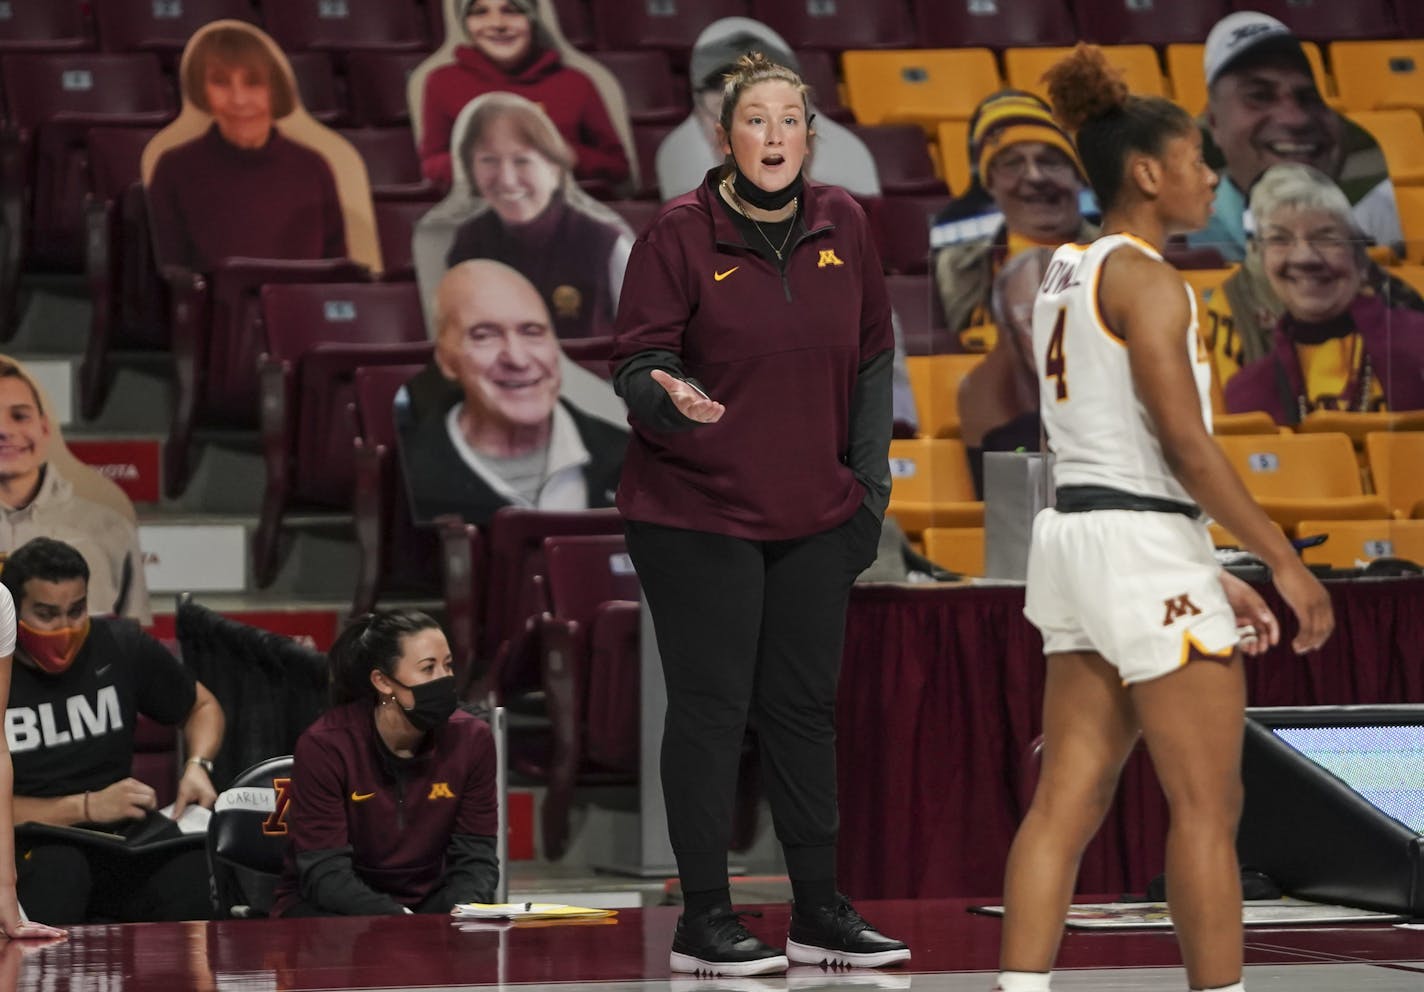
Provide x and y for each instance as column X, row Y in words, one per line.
column 515, row 201
column 245, row 171
column 1339, row 344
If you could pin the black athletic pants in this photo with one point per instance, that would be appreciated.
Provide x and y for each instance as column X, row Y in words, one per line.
column 750, row 631
column 68, row 884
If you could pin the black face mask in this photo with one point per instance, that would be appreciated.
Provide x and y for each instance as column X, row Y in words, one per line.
column 434, row 702
column 751, row 193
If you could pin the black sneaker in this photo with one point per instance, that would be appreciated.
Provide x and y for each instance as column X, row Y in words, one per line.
column 717, row 943
column 836, row 936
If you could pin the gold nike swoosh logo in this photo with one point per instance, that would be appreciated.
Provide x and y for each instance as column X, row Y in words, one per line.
column 719, row 276
column 361, row 797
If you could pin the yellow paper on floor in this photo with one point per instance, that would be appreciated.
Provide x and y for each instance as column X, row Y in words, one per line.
column 527, row 911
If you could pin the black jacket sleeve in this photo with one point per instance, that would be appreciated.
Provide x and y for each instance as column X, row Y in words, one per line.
column 471, row 872
column 871, row 423
column 328, row 880
column 648, row 402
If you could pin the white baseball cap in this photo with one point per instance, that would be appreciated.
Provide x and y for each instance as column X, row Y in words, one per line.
column 1246, row 31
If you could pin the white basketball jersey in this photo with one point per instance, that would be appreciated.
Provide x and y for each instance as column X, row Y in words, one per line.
column 1098, row 430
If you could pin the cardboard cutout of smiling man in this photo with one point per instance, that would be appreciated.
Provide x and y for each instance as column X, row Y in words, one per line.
column 46, row 492
column 245, row 171
column 504, row 436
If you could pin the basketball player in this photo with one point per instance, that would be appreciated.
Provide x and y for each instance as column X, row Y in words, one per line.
column 1139, row 624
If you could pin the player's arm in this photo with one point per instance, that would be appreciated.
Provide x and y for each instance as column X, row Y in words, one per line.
column 1145, row 302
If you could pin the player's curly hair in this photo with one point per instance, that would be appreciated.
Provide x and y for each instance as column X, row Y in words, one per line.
column 1092, row 102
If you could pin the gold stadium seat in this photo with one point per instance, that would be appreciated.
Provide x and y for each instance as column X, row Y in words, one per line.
column 1355, row 542
column 1401, row 137
column 931, row 485
column 918, row 86
column 1188, row 75
column 935, row 381
column 1396, row 460
column 1409, row 200
column 954, row 155
column 1254, row 422
column 1411, row 274
column 1024, row 68
column 959, row 549
column 1299, row 477
column 1376, row 75
column 1223, row 538
column 1357, row 426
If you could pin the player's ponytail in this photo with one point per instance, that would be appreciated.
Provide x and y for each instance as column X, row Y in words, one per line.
column 1092, row 102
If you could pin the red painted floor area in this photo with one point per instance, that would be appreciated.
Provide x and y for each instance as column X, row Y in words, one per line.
column 416, row 952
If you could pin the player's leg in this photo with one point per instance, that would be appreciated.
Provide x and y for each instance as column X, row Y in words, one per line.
column 1193, row 722
column 1088, row 732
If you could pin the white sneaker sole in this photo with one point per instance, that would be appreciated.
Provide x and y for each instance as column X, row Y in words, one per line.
column 806, row 954
column 688, row 965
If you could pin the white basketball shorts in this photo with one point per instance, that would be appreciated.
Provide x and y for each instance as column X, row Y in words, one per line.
column 1141, row 588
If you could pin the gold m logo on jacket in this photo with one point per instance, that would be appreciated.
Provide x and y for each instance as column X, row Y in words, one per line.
column 828, row 257
column 1178, row 607
column 440, row 790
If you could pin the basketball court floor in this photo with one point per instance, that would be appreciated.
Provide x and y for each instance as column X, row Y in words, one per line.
column 954, row 951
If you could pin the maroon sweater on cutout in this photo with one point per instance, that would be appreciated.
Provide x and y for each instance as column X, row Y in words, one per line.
column 780, row 352
column 210, row 200
column 566, row 95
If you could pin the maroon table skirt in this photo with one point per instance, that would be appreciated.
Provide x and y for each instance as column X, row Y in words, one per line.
column 940, row 700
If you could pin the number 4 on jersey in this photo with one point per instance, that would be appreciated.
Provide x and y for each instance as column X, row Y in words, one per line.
column 1054, row 367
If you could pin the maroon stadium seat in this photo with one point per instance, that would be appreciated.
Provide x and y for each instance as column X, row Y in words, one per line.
column 392, row 164
column 347, row 25
column 317, row 336
column 914, row 301
column 902, row 231
column 1331, row 20
column 1147, row 22
column 902, row 159
column 493, row 579
column 217, row 338
column 45, row 26
column 653, row 93
column 396, row 553
column 575, row 23
column 639, row 214
column 395, row 225
column 376, row 84
column 162, row 26
column 994, row 23
column 818, row 70
column 587, row 649
column 128, row 298
column 52, row 101
column 670, row 24
column 838, row 26
column 1411, row 18
column 155, row 756
column 319, row 88
column 646, row 139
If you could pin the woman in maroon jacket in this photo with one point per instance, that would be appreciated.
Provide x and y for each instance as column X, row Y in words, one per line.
column 394, row 808
column 511, row 51
column 755, row 347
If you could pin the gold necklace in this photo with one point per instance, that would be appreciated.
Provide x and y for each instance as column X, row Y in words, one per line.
column 742, row 209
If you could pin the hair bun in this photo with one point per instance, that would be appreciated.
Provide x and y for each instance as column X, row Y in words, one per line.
column 1083, row 86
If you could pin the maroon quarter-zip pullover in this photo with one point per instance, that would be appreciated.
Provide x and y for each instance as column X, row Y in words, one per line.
column 780, row 349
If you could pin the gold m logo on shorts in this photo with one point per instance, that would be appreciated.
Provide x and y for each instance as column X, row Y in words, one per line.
column 1177, row 607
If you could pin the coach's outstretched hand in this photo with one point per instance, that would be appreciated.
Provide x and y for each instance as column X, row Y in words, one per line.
column 690, row 401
